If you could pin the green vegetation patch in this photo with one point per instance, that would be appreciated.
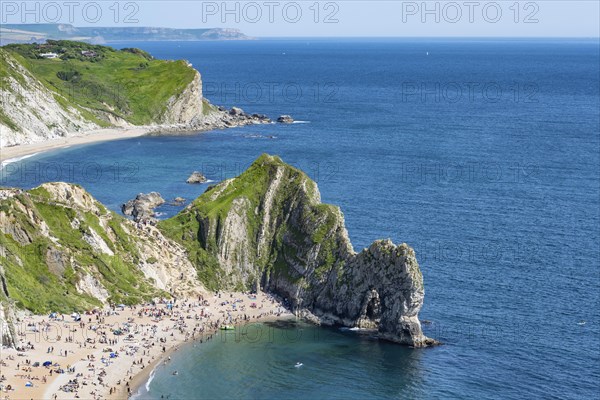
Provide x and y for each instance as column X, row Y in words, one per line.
column 128, row 83
column 5, row 120
column 191, row 226
column 35, row 284
column 32, row 286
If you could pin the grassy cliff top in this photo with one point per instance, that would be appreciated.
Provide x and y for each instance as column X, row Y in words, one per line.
column 127, row 83
column 252, row 185
column 268, row 201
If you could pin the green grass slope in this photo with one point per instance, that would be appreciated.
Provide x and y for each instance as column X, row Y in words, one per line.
column 42, row 270
column 296, row 218
column 126, row 83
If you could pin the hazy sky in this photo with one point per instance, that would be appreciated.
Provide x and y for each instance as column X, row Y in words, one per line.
column 327, row 18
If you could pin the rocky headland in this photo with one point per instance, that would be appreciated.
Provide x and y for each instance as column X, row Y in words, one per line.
column 142, row 207
column 36, row 106
column 265, row 230
column 268, row 230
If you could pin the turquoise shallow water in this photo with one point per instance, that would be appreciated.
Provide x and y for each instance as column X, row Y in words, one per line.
column 498, row 196
column 260, row 359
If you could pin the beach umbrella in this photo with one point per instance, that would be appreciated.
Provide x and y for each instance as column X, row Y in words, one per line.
column 47, row 363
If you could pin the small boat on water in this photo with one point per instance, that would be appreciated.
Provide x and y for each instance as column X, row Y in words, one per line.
column 227, row 328
column 298, row 365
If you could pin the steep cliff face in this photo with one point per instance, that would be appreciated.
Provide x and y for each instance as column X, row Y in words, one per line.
column 29, row 112
column 381, row 287
column 268, row 229
column 187, row 106
column 61, row 250
column 48, row 99
column 8, row 336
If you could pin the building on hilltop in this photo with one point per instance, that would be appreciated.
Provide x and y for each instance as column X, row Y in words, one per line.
column 49, row 55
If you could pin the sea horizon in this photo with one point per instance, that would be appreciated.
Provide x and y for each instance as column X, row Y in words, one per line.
column 480, row 154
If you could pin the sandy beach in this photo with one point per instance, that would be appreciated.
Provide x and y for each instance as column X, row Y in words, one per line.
column 109, row 353
column 99, row 135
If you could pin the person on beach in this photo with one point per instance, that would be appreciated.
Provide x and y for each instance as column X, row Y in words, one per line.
column 156, row 329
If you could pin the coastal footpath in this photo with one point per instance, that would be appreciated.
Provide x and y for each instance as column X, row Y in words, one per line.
column 64, row 89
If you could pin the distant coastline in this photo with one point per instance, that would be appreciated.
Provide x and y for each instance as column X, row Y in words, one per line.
column 30, row 33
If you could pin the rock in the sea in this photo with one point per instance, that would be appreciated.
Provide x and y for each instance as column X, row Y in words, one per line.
column 219, row 118
column 196, row 177
column 267, row 229
column 260, row 116
column 177, row 202
column 142, row 207
column 236, row 111
column 285, row 119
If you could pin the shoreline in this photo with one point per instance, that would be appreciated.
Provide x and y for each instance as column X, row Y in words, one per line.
column 89, row 360
column 16, row 153
column 140, row 379
column 220, row 119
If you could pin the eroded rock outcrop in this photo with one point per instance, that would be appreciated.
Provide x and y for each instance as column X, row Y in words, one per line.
column 196, row 177
column 32, row 110
column 285, row 119
column 61, row 250
column 268, row 229
column 142, row 207
column 8, row 335
column 183, row 107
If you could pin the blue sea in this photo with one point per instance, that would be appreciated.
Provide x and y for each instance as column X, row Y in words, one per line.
column 481, row 154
